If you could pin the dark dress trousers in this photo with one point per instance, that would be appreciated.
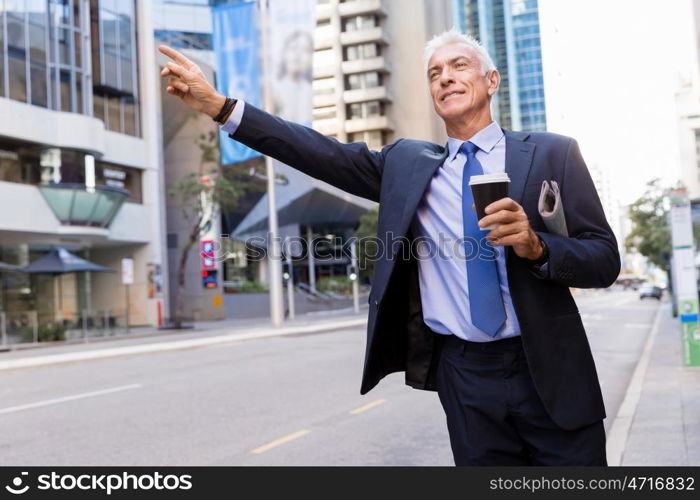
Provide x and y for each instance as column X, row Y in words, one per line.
column 554, row 349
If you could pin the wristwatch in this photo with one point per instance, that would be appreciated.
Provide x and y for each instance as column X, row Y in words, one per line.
column 226, row 109
column 545, row 254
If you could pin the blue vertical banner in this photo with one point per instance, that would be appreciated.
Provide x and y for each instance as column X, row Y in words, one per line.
column 236, row 47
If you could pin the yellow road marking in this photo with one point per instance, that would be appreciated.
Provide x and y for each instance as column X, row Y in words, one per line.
column 282, row 440
column 367, row 406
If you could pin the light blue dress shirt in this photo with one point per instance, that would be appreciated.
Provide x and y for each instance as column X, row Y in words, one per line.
column 441, row 258
column 234, row 119
column 442, row 269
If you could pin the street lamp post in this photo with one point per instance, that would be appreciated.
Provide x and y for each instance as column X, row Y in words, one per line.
column 273, row 248
column 355, row 278
column 290, row 280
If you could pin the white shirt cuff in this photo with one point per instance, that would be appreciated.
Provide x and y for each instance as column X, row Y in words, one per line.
column 234, row 119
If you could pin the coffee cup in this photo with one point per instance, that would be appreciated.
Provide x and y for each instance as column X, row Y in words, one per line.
column 486, row 189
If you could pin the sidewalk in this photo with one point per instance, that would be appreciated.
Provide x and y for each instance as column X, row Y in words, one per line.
column 146, row 340
column 659, row 421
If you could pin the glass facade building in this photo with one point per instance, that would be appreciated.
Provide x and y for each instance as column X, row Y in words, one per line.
column 509, row 29
column 80, row 163
column 528, row 60
column 76, row 56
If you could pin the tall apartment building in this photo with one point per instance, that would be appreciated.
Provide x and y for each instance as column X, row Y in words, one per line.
column 509, row 29
column 369, row 80
column 80, row 162
column 688, row 112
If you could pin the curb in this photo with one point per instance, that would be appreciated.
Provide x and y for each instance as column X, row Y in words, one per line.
column 620, row 429
column 53, row 359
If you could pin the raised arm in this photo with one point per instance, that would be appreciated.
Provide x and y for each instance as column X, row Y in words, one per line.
column 351, row 167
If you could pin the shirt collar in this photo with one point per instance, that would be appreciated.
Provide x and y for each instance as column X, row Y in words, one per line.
column 486, row 139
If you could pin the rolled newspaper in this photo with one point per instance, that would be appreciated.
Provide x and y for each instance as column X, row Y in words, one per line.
column 551, row 209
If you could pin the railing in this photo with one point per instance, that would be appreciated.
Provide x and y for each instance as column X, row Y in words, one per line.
column 30, row 327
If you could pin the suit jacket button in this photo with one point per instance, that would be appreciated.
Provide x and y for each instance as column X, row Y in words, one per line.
column 376, row 304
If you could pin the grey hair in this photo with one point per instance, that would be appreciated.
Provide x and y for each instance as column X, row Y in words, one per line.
column 456, row 36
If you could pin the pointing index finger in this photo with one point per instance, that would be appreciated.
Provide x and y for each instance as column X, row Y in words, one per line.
column 177, row 56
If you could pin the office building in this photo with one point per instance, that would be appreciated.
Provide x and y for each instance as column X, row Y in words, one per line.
column 509, row 29
column 80, row 157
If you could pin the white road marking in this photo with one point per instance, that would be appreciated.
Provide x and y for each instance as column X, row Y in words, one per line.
column 66, row 399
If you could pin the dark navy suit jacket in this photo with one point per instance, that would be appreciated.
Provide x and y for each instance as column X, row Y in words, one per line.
column 554, row 340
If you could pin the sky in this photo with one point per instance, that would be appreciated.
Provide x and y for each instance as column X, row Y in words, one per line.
column 611, row 68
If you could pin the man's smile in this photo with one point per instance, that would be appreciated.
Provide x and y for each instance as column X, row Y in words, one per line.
column 451, row 94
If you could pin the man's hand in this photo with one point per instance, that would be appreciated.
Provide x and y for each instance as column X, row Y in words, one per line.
column 513, row 228
column 189, row 83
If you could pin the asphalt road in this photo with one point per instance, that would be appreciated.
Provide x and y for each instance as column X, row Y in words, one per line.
column 276, row 401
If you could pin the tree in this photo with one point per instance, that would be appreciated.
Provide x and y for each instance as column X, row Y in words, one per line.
column 366, row 233
column 199, row 194
column 651, row 235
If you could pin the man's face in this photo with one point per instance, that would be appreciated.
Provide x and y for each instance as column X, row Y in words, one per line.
column 457, row 82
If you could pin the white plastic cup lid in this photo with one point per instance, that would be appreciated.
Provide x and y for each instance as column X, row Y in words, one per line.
column 488, row 178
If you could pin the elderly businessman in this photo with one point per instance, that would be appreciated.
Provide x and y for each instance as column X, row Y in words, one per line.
column 496, row 334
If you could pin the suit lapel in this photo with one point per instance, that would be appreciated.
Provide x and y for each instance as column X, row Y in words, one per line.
column 519, row 156
column 518, row 162
column 422, row 171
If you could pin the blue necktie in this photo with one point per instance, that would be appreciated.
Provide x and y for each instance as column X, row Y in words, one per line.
column 485, row 301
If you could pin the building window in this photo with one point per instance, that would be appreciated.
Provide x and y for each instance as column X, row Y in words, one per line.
column 362, row 51
column 363, row 80
column 10, row 166
column 37, row 26
column 373, row 138
column 19, row 163
column 360, row 22
column 368, row 109
column 43, row 49
column 16, row 50
column 114, row 63
column 68, row 70
column 373, row 108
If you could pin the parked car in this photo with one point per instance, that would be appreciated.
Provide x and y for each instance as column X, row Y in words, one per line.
column 652, row 291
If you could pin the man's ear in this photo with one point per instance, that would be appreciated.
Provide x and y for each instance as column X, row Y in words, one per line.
column 494, row 78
